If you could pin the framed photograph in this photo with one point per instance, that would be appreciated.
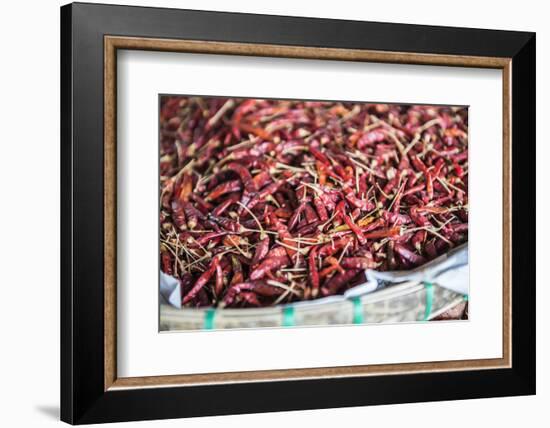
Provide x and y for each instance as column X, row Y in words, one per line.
column 266, row 213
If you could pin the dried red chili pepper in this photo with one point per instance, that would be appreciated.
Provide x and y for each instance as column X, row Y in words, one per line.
column 334, row 265
column 201, row 282
column 237, row 268
column 301, row 193
column 275, row 259
column 258, row 287
column 178, row 215
column 293, row 221
column 408, row 255
column 193, row 215
column 223, row 188
column 243, row 174
column 358, row 263
column 383, row 233
column 313, row 273
column 249, row 297
column 219, row 279
column 335, row 283
column 261, row 251
column 166, row 261
column 334, row 247
column 418, row 240
column 223, row 206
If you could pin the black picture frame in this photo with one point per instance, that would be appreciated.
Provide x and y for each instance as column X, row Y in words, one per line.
column 83, row 396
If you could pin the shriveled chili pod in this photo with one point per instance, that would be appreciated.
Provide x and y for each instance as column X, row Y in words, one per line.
column 358, row 263
column 202, row 281
column 224, row 188
column 261, row 251
column 178, row 215
column 219, row 280
column 312, row 271
column 268, row 265
column 339, row 280
column 237, row 269
column 259, row 287
column 167, row 263
column 418, row 240
column 409, row 256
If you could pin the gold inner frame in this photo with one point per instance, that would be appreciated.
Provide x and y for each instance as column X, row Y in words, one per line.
column 113, row 43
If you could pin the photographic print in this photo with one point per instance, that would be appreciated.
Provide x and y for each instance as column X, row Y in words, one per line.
column 282, row 213
column 315, row 233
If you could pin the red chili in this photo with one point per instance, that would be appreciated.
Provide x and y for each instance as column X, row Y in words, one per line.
column 193, row 215
column 244, row 175
column 261, row 251
column 321, row 210
column 167, row 264
column 178, row 215
column 338, row 281
column 223, row 188
column 332, row 248
column 383, row 233
column 356, row 229
column 429, row 186
column 202, row 281
column 259, row 287
column 249, row 297
column 293, row 221
column 408, row 255
column 311, row 215
column 418, row 240
column 219, row 279
column 268, row 265
column 313, row 272
column 237, row 268
column 284, row 190
column 207, row 237
column 358, row 263
column 204, row 206
column 222, row 207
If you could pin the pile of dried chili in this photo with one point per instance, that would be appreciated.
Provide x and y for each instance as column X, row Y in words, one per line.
column 268, row 201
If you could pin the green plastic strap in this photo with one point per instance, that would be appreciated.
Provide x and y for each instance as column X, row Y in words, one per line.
column 209, row 316
column 357, row 310
column 288, row 316
column 429, row 299
column 465, row 297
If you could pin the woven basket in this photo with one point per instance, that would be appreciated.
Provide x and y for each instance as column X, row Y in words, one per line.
column 406, row 302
